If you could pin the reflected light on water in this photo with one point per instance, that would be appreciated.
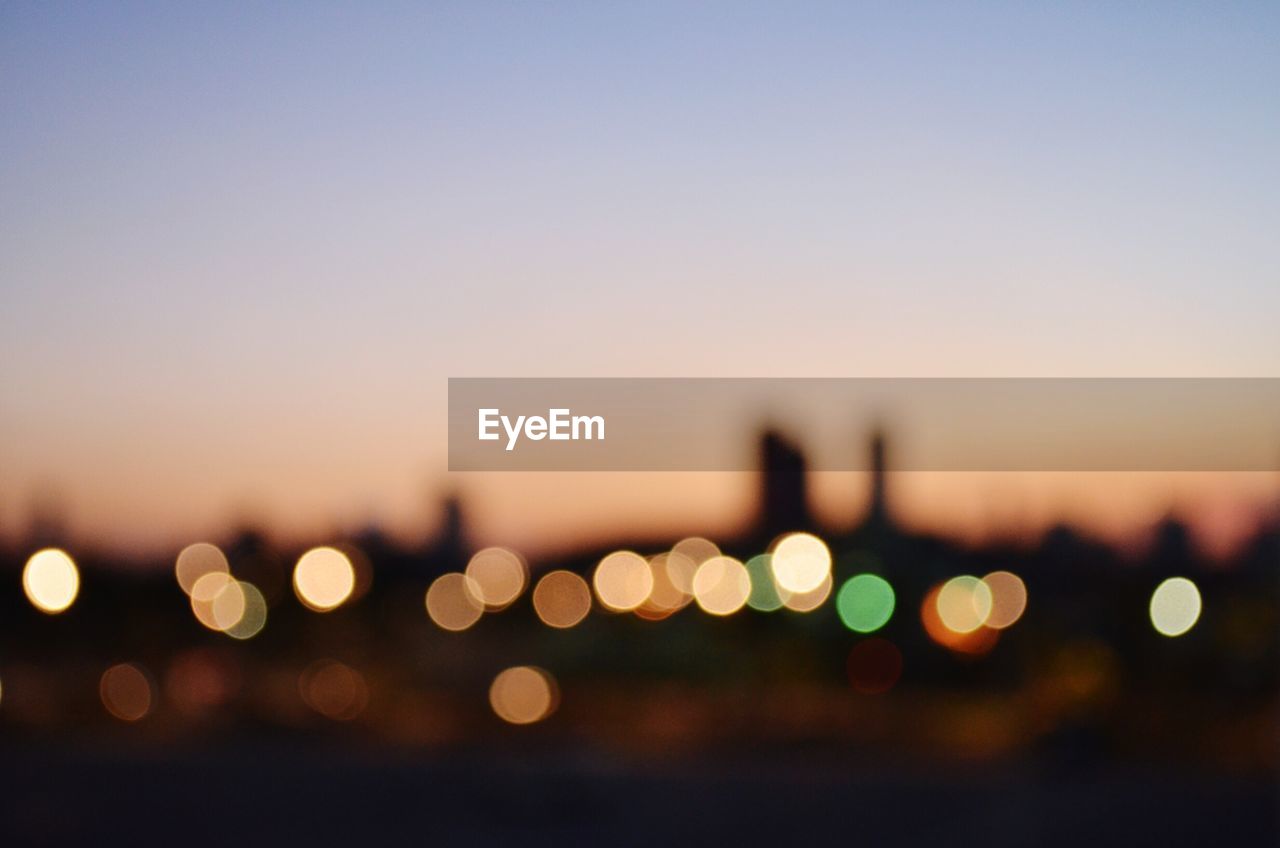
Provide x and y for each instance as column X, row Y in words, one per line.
column 51, row 580
column 523, row 695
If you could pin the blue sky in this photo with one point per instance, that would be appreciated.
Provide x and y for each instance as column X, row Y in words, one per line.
column 241, row 248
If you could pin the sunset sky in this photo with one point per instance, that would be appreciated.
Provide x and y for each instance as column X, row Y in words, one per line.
column 242, row 248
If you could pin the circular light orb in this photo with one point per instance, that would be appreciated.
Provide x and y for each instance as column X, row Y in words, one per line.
column 670, row 573
column 721, row 585
column 764, row 591
column 973, row 643
column 253, row 616
column 1175, row 606
column 323, row 579
column 454, row 602
column 51, row 580
column 335, row 690
column 865, row 603
column 561, row 599
column 218, row 601
column 500, row 575
column 697, row 549
column 195, row 561
column 523, row 695
column 126, row 691
column 801, row 562
column 964, row 604
column 874, row 666
column 623, row 581
column 1008, row 599
column 806, row 601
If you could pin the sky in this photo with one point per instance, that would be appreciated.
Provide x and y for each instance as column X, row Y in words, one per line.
column 242, row 248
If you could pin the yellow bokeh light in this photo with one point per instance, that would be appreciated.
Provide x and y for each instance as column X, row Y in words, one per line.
column 195, row 561
column 670, row 572
column 500, row 575
column 721, row 585
column 623, row 581
column 523, row 694
column 801, row 562
column 561, row 599
column 806, row 601
column 1175, row 606
column 126, row 691
column 51, row 580
column 218, row 601
column 1008, row 599
column 964, row 604
column 253, row 615
column 454, row 602
column 324, row 578
column 698, row 550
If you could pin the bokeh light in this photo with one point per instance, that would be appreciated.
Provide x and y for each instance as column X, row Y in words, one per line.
column 865, row 603
column 218, row 601
column 874, row 666
column 671, row 573
column 801, row 562
column 500, row 576
column 1175, row 606
column 1008, row 599
column 453, row 601
column 51, row 580
column 698, row 550
column 335, row 690
column 253, row 616
column 324, row 579
column 764, row 591
column 964, row 604
column 126, row 691
column 561, row 599
column 973, row 642
column 200, row 680
column 623, row 581
column 721, row 585
column 807, row 601
column 523, row 695
column 195, row 561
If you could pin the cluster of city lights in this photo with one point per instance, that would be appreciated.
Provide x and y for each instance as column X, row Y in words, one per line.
column 964, row 614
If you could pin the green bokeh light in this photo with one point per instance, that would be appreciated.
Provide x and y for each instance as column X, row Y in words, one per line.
column 865, row 603
column 764, row 592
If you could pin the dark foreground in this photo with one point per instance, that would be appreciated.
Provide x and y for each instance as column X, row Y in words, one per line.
column 275, row 795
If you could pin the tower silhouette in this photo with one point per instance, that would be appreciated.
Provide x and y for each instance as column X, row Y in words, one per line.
column 784, row 493
column 878, row 515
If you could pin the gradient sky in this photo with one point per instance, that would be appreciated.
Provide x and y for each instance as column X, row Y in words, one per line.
column 242, row 248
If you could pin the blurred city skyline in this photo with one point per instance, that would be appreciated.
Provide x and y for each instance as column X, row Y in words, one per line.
column 242, row 249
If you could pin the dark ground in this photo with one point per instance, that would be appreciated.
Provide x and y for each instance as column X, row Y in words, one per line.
column 289, row 795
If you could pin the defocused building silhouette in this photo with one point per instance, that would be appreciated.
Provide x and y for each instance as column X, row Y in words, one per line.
column 784, row 492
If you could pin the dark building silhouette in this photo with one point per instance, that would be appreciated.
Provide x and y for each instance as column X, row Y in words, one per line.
column 878, row 516
column 784, row 492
